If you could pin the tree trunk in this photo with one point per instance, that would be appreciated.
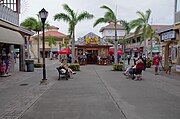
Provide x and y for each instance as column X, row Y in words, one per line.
column 115, row 45
column 151, row 48
column 124, row 42
column 73, row 47
column 38, row 48
column 144, row 49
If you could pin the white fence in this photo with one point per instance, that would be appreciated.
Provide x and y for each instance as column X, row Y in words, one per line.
column 8, row 15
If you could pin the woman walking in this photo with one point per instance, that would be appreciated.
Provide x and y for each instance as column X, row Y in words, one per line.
column 169, row 65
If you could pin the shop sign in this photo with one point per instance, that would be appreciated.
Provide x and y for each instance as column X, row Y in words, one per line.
column 178, row 68
column 92, row 40
column 167, row 36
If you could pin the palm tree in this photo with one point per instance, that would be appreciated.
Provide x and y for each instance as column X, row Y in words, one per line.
column 72, row 18
column 127, row 28
column 109, row 17
column 35, row 25
column 152, row 36
column 51, row 41
column 141, row 25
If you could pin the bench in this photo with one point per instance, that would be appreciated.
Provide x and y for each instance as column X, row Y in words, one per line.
column 62, row 73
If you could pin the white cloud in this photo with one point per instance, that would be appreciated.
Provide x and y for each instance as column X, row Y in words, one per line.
column 162, row 11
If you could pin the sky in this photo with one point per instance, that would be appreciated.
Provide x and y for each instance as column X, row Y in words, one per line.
column 162, row 12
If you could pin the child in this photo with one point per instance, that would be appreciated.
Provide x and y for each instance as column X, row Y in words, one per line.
column 169, row 65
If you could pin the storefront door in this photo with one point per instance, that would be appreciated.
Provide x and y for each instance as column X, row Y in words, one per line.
column 92, row 56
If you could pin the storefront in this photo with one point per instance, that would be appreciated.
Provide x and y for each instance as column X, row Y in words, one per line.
column 169, row 39
column 8, row 41
column 92, row 48
column 177, row 29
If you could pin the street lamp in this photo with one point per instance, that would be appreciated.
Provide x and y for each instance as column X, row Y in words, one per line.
column 43, row 15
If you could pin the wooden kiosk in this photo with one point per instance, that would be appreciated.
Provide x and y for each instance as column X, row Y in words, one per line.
column 89, row 48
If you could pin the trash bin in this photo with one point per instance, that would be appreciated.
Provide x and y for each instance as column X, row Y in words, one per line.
column 30, row 65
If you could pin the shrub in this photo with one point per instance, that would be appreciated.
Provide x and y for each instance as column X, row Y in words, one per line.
column 52, row 58
column 149, row 62
column 38, row 65
column 118, row 67
column 75, row 67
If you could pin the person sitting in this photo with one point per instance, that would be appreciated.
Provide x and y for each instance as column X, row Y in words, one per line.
column 66, row 67
column 136, row 69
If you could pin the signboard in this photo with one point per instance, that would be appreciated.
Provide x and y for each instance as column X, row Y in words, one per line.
column 167, row 36
column 178, row 68
column 92, row 40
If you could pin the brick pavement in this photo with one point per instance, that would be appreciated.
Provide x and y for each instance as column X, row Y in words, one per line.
column 16, row 99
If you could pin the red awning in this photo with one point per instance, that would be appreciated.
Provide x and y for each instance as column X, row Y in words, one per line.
column 65, row 51
column 111, row 51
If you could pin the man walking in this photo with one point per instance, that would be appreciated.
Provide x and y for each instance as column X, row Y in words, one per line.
column 156, row 61
column 144, row 60
column 129, row 58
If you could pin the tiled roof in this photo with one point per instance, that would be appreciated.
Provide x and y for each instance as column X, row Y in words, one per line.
column 111, row 26
column 157, row 27
column 53, row 33
column 82, row 41
column 154, row 27
column 53, row 27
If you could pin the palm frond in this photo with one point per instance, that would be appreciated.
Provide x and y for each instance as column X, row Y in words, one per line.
column 51, row 40
column 149, row 31
column 69, row 10
column 100, row 20
column 110, row 16
column 126, row 25
column 62, row 16
column 148, row 13
column 134, row 23
column 84, row 15
column 137, row 30
column 156, row 38
column 142, row 15
column 29, row 23
column 107, row 8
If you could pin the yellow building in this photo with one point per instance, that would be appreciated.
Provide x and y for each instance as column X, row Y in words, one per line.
column 53, row 33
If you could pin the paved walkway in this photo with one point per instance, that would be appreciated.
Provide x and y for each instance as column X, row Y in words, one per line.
column 95, row 92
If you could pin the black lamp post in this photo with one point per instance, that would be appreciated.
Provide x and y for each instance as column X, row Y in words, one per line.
column 43, row 15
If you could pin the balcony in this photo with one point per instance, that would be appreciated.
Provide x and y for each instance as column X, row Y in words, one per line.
column 8, row 15
column 177, row 17
column 138, row 44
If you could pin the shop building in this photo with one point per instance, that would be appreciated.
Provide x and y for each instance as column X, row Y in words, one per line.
column 90, row 47
column 11, row 36
column 108, row 32
column 135, row 46
column 170, row 38
column 51, row 33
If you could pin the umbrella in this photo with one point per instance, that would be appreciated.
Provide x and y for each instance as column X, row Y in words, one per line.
column 65, row 51
column 111, row 51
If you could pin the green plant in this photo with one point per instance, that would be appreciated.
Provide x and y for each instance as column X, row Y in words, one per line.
column 149, row 62
column 38, row 65
column 118, row 67
column 74, row 67
column 72, row 18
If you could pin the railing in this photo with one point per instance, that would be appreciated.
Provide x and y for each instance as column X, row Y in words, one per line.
column 136, row 44
column 8, row 15
column 177, row 17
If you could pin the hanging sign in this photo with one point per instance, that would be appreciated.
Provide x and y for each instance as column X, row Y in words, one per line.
column 167, row 36
column 92, row 40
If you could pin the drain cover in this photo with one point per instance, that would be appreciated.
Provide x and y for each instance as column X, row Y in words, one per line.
column 24, row 84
